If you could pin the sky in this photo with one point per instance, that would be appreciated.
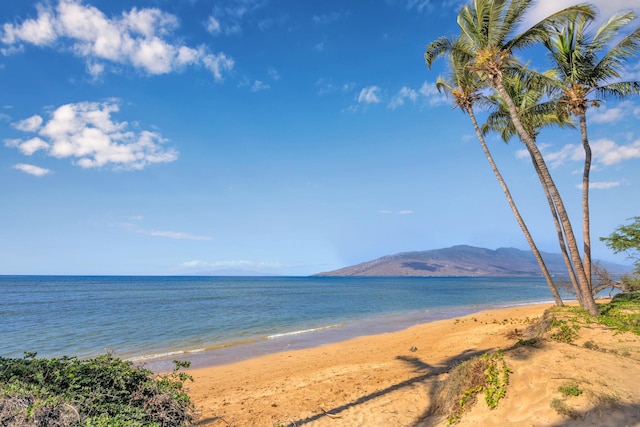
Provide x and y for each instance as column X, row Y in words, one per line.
column 180, row 137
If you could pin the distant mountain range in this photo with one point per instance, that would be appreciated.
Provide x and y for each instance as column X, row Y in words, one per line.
column 463, row 260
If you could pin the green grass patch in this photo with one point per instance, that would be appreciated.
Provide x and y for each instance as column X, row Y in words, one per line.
column 570, row 389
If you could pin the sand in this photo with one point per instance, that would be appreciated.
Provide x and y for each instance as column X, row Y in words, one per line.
column 390, row 379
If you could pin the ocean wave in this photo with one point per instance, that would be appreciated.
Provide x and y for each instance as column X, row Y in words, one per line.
column 165, row 354
column 303, row 331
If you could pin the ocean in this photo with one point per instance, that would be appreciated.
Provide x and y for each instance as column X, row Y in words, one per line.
column 217, row 320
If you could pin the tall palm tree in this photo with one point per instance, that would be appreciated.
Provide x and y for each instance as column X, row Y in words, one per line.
column 535, row 114
column 586, row 64
column 486, row 40
column 465, row 86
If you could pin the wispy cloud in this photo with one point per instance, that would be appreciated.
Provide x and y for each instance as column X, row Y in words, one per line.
column 327, row 18
column 606, row 8
column 605, row 152
column 611, row 115
column 140, row 38
column 327, row 86
column 601, row 185
column 87, row 133
column 369, row 95
column 400, row 212
column 177, row 235
column 197, row 266
column 31, row 169
column 228, row 16
column 134, row 226
column 403, row 95
column 259, row 85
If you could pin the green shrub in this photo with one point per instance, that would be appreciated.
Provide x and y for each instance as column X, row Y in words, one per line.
column 103, row 391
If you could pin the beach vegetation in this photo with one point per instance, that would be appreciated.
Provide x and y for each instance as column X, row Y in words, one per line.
column 102, row 391
column 570, row 388
column 487, row 374
column 562, row 408
column 585, row 67
column 564, row 331
column 626, row 239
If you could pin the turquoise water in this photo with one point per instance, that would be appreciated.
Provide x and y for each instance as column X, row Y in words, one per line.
column 222, row 319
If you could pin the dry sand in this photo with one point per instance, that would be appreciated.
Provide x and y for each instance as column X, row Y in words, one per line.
column 390, row 379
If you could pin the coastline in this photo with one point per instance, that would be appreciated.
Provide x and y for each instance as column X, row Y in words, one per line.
column 298, row 339
column 390, row 378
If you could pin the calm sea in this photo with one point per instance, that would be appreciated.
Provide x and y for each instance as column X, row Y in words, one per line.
column 214, row 320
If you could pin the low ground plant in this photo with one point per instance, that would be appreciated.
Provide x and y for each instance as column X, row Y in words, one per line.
column 103, row 391
column 487, row 374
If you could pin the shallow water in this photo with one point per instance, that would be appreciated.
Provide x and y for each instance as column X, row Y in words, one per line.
column 221, row 319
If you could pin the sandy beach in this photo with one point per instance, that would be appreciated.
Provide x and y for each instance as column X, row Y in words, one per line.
column 392, row 379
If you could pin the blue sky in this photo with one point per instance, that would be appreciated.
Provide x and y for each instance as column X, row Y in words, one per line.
column 279, row 137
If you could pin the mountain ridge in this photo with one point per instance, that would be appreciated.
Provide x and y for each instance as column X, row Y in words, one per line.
column 463, row 260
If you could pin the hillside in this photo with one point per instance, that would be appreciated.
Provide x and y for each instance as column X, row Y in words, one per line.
column 462, row 260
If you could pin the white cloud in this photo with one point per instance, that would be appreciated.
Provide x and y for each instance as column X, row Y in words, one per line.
column 327, row 87
column 602, row 185
column 605, row 8
column 273, row 73
column 326, row 18
column 369, row 95
column 86, row 132
column 404, row 94
column 604, row 152
column 259, row 85
column 31, row 169
column 433, row 97
column 227, row 16
column 239, row 264
column 610, row 115
column 609, row 153
column 39, row 32
column 27, row 147
column 29, row 125
column 213, row 25
column 401, row 212
column 139, row 37
column 177, row 235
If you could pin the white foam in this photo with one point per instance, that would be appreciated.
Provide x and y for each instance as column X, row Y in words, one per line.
column 303, row 331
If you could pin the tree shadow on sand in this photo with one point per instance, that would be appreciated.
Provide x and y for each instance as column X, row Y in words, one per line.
column 424, row 372
column 606, row 414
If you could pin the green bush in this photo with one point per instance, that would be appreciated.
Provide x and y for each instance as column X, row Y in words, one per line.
column 103, row 391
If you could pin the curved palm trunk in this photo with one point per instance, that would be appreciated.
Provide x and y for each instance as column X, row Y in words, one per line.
column 576, row 261
column 586, row 226
column 534, row 249
column 563, row 247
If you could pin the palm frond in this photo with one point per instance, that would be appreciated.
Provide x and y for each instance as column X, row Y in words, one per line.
column 619, row 90
column 539, row 31
column 437, row 48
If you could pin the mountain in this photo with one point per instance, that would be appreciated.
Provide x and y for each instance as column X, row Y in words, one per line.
column 463, row 260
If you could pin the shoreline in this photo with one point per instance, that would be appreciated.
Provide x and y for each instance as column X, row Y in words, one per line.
column 252, row 347
column 391, row 378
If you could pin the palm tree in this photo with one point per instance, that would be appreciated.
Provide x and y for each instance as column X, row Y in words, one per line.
column 586, row 65
column 465, row 86
column 486, row 27
column 535, row 114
